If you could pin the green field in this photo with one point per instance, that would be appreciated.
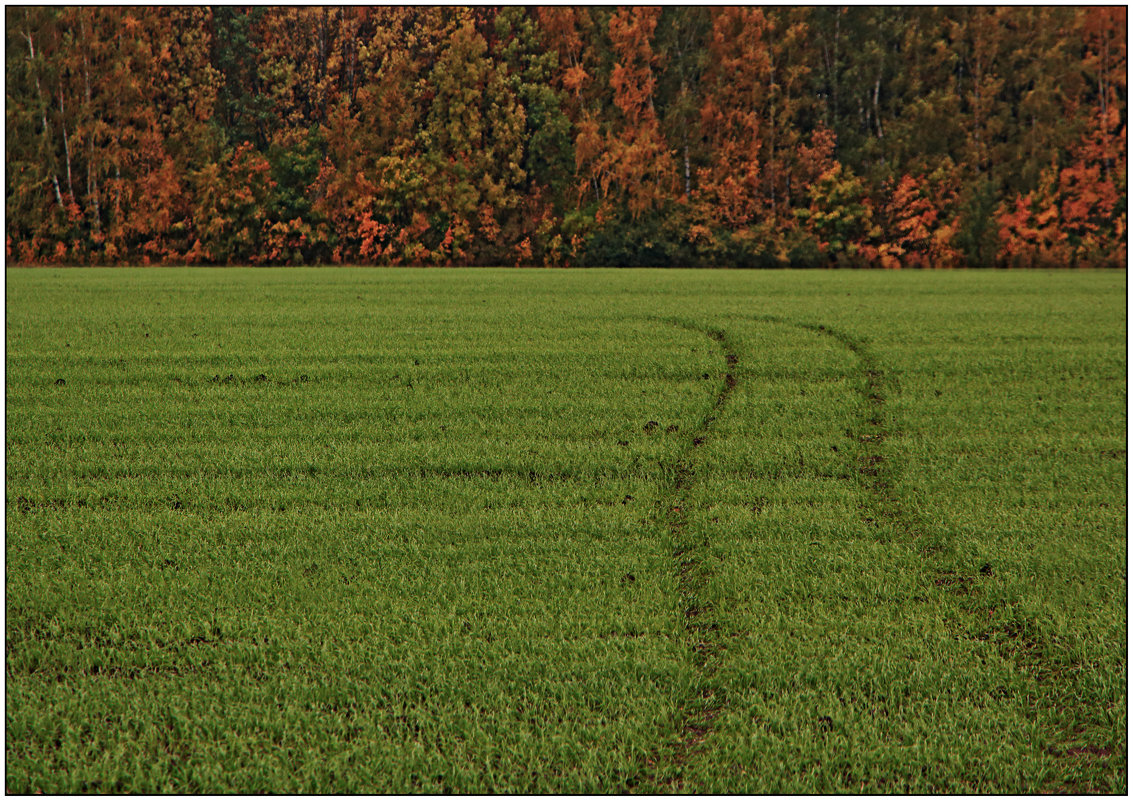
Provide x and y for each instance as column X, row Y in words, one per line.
column 347, row 530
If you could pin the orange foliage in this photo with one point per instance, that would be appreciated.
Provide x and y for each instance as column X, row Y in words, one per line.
column 916, row 236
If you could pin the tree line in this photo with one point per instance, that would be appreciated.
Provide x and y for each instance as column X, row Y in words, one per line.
column 708, row 136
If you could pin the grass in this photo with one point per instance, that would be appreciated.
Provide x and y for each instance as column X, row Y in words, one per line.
column 594, row 531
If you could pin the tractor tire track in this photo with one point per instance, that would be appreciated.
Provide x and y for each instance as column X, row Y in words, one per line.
column 691, row 563
column 878, row 475
column 665, row 766
column 876, row 471
column 883, row 511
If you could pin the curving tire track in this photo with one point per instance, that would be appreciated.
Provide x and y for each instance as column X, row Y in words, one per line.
column 663, row 769
column 877, row 474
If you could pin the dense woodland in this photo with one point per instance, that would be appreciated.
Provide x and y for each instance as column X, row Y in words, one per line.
column 747, row 137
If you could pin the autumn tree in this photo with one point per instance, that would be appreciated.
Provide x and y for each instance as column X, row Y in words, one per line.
column 681, row 36
column 841, row 217
column 37, row 213
column 548, row 158
column 914, row 229
column 472, row 141
column 560, row 135
column 732, row 116
column 243, row 110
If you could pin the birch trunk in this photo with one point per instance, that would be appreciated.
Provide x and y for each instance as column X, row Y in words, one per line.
column 66, row 144
column 92, row 175
column 43, row 114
